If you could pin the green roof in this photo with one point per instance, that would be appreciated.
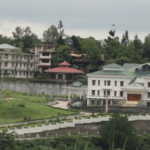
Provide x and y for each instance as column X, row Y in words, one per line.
column 130, row 65
column 77, row 84
column 113, row 72
column 125, row 72
column 113, row 65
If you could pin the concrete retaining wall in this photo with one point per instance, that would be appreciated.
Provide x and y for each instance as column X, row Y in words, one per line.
column 49, row 89
column 115, row 109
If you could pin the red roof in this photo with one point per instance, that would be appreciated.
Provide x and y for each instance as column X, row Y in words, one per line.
column 64, row 64
column 64, row 70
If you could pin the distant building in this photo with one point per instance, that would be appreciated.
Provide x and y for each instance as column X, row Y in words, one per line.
column 130, row 82
column 16, row 64
column 43, row 56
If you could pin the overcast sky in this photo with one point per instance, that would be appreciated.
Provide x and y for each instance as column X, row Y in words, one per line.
column 82, row 18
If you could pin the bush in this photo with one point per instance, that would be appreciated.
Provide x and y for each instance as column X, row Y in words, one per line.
column 21, row 105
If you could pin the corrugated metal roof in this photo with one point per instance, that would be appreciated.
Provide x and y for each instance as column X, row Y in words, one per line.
column 7, row 46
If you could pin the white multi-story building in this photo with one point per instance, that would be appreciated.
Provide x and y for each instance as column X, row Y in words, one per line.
column 130, row 82
column 43, row 56
column 16, row 64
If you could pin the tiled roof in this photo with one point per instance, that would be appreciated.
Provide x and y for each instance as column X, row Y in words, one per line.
column 64, row 70
column 64, row 64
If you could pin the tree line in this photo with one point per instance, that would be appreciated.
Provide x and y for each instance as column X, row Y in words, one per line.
column 115, row 50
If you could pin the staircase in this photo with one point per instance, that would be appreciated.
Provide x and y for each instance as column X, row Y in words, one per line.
column 130, row 104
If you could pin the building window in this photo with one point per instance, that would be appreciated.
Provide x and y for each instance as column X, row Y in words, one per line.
column 12, row 72
column 98, row 92
column 45, row 54
column 30, row 73
column 93, row 92
column 93, row 82
column 45, row 61
column 148, row 94
column 92, row 102
column 20, row 73
column 24, row 73
column 107, row 83
column 148, row 84
column 115, row 83
column 60, row 76
column 106, row 93
column 31, row 57
column 6, row 56
column 20, row 64
column 24, row 65
column 97, row 102
column 12, row 56
column 115, row 93
column 121, row 93
column 121, row 83
column 31, row 65
column 12, row 64
column 24, row 57
column 98, row 82
column 6, row 64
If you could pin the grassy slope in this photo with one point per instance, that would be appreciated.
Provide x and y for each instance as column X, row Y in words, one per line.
column 11, row 112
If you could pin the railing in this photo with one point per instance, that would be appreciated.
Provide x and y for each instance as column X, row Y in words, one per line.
column 71, row 124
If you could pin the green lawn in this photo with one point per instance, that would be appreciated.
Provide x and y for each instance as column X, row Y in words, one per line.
column 11, row 112
column 29, row 97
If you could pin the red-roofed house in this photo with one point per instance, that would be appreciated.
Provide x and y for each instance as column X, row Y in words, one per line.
column 64, row 72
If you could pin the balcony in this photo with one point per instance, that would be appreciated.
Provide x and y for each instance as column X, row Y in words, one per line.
column 45, row 57
column 44, row 65
column 47, row 51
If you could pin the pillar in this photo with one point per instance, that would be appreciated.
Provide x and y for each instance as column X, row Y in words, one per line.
column 69, row 95
column 56, row 76
column 111, row 102
column 88, row 102
column 101, row 102
column 80, row 94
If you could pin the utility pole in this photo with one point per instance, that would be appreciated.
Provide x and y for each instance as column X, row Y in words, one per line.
column 106, row 104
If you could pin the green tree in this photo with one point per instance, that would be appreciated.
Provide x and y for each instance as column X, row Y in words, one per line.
column 61, row 33
column 51, row 35
column 24, row 38
column 117, row 132
column 76, row 44
column 63, row 54
column 92, row 51
column 5, row 39
column 6, row 141
column 146, row 47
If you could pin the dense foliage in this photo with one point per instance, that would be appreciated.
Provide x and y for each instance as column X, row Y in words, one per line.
column 65, row 143
column 115, row 50
column 117, row 132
